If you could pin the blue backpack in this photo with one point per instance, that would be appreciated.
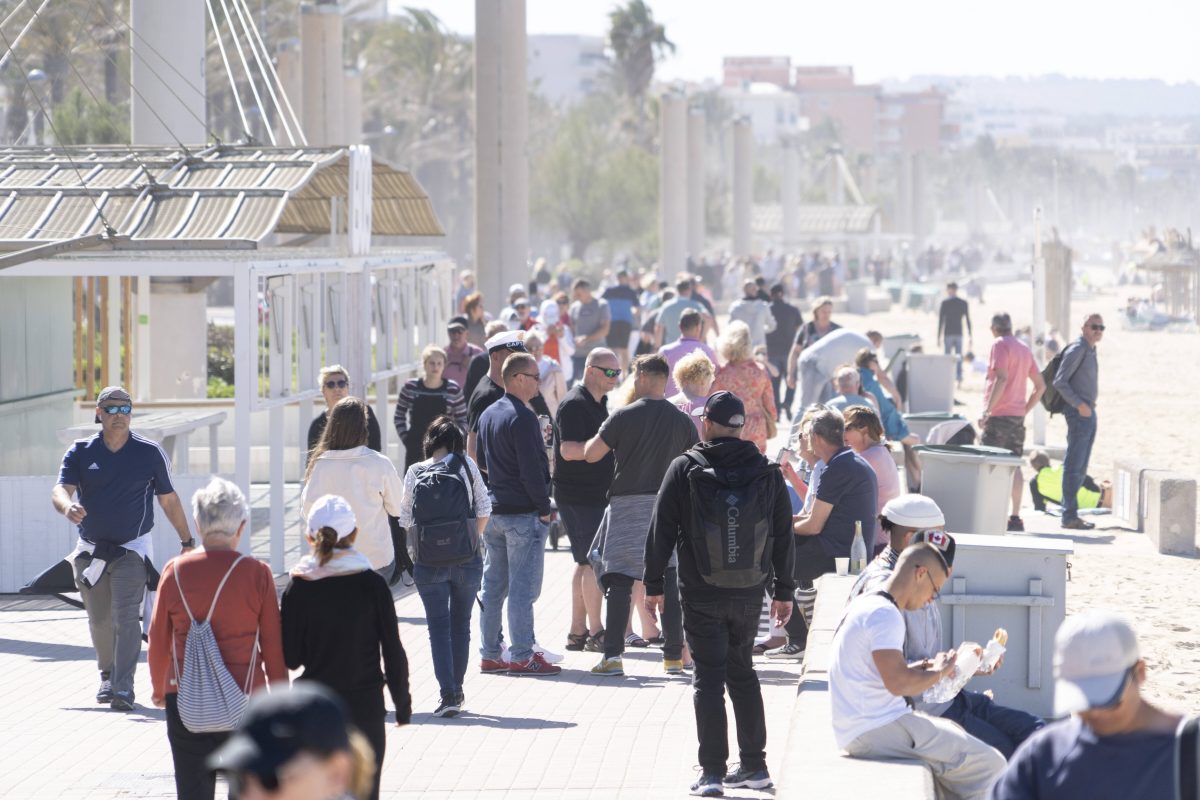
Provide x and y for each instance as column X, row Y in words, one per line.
column 444, row 514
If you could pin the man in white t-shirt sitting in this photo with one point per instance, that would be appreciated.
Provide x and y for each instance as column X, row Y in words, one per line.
column 869, row 679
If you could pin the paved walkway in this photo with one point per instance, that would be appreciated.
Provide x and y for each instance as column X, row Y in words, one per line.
column 572, row 736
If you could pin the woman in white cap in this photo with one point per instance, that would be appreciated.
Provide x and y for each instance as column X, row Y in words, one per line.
column 343, row 464
column 339, row 620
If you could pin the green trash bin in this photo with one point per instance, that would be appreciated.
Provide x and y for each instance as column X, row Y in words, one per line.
column 922, row 422
column 972, row 484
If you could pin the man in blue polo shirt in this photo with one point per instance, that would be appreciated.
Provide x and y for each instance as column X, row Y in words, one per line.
column 116, row 473
column 624, row 306
column 846, row 495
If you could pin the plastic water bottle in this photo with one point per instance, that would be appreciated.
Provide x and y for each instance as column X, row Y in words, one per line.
column 858, row 550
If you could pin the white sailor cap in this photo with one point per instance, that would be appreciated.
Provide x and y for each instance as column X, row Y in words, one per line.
column 506, row 340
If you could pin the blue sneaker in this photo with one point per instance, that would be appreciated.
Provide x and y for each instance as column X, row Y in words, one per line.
column 749, row 778
column 709, row 785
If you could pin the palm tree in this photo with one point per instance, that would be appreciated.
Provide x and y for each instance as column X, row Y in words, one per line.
column 638, row 43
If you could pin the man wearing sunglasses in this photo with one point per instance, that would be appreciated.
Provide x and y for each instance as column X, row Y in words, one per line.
column 1077, row 382
column 116, row 473
column 869, row 679
column 1113, row 744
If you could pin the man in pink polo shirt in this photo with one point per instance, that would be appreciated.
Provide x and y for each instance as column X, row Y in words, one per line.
column 1005, row 405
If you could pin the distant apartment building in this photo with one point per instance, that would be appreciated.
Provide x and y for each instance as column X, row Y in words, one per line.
column 774, row 111
column 829, row 94
column 740, row 70
column 565, row 68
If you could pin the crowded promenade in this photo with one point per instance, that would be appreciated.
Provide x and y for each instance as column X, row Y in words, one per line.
column 588, row 690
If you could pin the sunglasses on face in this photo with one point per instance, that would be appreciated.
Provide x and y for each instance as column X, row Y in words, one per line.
column 111, row 410
column 608, row 373
column 337, row 384
column 1096, row 327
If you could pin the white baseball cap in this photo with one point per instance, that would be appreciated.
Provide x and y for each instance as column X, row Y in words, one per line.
column 914, row 511
column 506, row 340
column 332, row 511
column 1093, row 651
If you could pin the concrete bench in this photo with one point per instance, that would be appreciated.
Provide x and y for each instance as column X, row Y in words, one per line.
column 813, row 764
column 1129, row 491
column 171, row 429
column 1170, row 512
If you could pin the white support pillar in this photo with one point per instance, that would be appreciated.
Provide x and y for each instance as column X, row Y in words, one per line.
column 352, row 129
column 322, row 73
column 142, row 335
column 245, row 356
column 501, row 139
column 697, row 137
column 743, row 185
column 1039, row 320
column 789, row 194
column 673, row 184
column 169, row 103
column 356, row 322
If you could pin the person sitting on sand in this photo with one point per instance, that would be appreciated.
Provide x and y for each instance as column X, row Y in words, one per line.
column 1046, row 485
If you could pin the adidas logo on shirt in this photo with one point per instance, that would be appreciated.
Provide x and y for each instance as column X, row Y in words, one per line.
column 94, row 466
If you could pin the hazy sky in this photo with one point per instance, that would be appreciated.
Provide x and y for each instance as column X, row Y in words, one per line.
column 890, row 39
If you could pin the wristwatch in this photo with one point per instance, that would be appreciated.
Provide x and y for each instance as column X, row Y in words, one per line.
column 189, row 542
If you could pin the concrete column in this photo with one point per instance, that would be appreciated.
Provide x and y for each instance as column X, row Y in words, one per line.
column 177, row 30
column 789, row 194
column 501, row 138
column 743, row 184
column 697, row 135
column 321, row 73
column 673, row 184
column 353, row 102
column 288, row 65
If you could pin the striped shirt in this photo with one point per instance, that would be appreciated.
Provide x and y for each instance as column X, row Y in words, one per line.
column 419, row 405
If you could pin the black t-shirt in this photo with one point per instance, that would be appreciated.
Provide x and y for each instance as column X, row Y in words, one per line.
column 476, row 369
column 787, row 321
column 374, row 437
column 579, row 419
column 646, row 436
column 849, row 485
column 951, row 314
column 808, row 334
column 487, row 392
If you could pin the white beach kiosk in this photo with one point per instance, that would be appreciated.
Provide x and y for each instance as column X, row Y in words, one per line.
column 245, row 211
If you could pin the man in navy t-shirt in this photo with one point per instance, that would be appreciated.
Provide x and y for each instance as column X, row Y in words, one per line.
column 116, row 474
column 1114, row 745
column 624, row 306
column 845, row 495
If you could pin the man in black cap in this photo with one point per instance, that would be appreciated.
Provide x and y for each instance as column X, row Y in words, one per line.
column 281, row 726
column 724, row 507
column 116, row 473
column 459, row 351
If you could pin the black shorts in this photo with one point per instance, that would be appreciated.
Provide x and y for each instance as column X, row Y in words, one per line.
column 1005, row 432
column 618, row 334
column 581, row 524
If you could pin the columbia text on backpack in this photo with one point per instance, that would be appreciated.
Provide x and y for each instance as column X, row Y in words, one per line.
column 444, row 514
column 731, row 522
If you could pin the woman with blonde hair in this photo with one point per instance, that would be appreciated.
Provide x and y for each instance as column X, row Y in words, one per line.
column 864, row 435
column 694, row 376
column 745, row 377
column 342, row 464
column 334, row 382
column 339, row 621
column 424, row 399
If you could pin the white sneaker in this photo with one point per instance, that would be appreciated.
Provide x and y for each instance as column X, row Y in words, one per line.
column 549, row 656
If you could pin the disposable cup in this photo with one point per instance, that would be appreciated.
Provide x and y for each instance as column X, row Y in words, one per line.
column 843, row 565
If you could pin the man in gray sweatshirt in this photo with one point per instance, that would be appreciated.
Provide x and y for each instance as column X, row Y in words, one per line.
column 1077, row 381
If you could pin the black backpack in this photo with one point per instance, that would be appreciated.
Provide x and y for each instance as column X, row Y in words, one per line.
column 731, row 512
column 1052, row 401
column 444, row 515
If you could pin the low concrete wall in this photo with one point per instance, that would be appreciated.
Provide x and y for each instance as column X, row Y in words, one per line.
column 1129, row 492
column 1170, row 509
column 814, row 767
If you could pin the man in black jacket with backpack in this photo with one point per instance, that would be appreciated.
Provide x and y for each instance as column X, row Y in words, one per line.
column 725, row 508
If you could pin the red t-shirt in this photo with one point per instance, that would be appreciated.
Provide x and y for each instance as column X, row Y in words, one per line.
column 1011, row 355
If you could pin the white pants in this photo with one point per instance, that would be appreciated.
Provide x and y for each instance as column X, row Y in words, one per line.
column 963, row 766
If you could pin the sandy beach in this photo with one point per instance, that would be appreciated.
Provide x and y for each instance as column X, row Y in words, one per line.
column 1148, row 386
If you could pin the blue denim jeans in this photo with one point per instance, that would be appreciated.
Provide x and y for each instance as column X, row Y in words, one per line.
column 514, row 552
column 1003, row 728
column 954, row 344
column 1081, row 433
column 448, row 594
